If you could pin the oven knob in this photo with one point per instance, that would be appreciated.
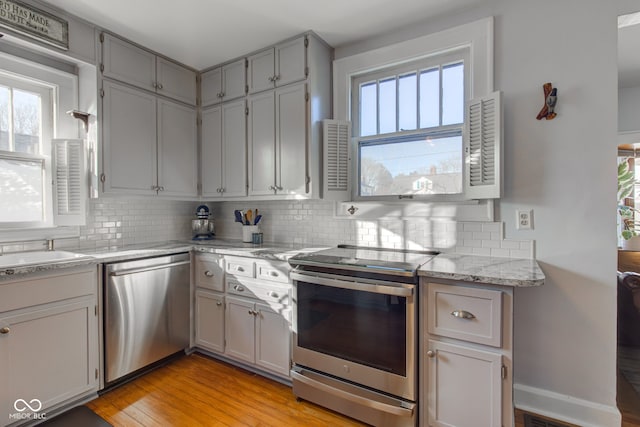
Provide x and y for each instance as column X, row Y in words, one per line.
column 346, row 368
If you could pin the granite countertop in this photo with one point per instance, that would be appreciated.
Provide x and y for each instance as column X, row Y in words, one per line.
column 469, row 268
column 484, row 269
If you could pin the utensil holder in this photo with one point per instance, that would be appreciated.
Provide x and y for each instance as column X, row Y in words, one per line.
column 247, row 232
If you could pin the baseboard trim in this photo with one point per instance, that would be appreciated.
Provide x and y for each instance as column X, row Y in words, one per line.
column 565, row 408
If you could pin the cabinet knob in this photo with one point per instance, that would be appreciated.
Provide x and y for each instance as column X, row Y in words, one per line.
column 239, row 269
column 272, row 294
column 279, row 188
column 208, row 273
column 272, row 78
column 462, row 314
column 238, row 288
column 155, row 85
column 431, row 354
column 274, row 274
column 218, row 303
column 160, row 86
column 5, row 330
column 276, row 78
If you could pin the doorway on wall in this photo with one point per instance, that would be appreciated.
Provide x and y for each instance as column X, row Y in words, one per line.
column 628, row 214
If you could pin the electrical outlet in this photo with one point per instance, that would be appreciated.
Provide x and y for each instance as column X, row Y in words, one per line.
column 524, row 219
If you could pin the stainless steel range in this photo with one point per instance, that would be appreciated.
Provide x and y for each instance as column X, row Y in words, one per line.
column 355, row 332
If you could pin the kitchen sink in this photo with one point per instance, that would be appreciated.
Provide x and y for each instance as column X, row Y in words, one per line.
column 37, row 257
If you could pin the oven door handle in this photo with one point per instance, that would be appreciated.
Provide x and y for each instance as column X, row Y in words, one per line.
column 355, row 286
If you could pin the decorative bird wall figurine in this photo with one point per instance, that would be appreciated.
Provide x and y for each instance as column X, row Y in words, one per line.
column 550, row 100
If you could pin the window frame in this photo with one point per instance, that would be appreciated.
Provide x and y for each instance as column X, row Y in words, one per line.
column 477, row 36
column 64, row 97
column 47, row 112
column 437, row 61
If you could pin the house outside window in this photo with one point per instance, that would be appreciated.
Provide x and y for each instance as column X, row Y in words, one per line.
column 407, row 124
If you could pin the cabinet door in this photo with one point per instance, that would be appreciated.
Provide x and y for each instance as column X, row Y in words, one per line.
column 211, row 87
column 261, row 72
column 177, row 150
column 210, row 320
column 240, row 329
column 273, row 338
column 176, row 81
column 291, row 140
column 262, row 147
column 128, row 63
column 49, row 353
column 462, row 377
column 291, row 62
column 211, row 157
column 234, row 149
column 129, row 140
column 234, row 80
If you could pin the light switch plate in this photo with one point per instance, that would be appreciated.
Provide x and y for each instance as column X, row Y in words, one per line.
column 524, row 219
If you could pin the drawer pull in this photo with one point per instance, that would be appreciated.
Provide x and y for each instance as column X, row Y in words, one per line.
column 462, row 314
column 272, row 294
column 238, row 288
column 4, row 330
column 274, row 273
column 239, row 268
column 208, row 273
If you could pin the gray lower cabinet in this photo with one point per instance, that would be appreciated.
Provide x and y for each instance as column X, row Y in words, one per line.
column 48, row 342
column 249, row 320
column 466, row 355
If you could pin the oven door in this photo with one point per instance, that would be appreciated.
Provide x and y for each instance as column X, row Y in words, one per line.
column 360, row 330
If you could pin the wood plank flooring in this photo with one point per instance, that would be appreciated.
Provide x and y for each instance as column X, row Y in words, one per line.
column 198, row 391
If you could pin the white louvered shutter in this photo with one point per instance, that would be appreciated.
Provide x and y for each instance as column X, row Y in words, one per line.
column 69, row 182
column 483, row 147
column 336, row 135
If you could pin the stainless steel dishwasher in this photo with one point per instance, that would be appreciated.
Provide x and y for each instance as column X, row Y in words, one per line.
column 146, row 312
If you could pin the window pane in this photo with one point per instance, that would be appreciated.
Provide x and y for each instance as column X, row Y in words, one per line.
column 416, row 166
column 21, row 191
column 387, row 105
column 430, row 98
column 368, row 109
column 26, row 122
column 453, row 94
column 4, row 118
column 407, row 101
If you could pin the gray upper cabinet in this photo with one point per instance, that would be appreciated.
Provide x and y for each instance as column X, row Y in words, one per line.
column 130, row 64
column 277, row 66
column 224, row 83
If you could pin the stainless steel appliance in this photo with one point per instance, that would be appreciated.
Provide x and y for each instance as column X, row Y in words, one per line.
column 355, row 332
column 146, row 312
column 203, row 227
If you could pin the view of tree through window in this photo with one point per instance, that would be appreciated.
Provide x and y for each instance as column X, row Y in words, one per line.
column 21, row 163
column 410, row 130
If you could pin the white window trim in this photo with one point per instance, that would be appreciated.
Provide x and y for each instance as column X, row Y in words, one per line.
column 478, row 37
column 64, row 126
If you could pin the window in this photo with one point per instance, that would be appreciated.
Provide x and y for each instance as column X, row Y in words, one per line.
column 26, row 125
column 40, row 192
column 408, row 123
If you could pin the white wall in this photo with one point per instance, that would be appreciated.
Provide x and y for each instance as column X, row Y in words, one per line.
column 629, row 109
column 565, row 331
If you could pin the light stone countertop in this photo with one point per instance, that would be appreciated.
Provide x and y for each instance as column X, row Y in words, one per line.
column 484, row 269
column 468, row 268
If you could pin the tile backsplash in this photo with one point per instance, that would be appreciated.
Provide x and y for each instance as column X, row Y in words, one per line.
column 116, row 222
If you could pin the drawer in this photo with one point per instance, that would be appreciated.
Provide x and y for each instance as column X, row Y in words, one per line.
column 270, row 293
column 209, row 272
column 239, row 266
column 469, row 314
column 273, row 271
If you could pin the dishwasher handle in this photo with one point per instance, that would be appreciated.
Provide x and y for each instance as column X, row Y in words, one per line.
column 150, row 268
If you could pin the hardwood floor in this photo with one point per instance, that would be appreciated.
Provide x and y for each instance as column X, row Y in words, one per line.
column 198, row 391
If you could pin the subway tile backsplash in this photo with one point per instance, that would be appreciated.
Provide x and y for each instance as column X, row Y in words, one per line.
column 117, row 222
